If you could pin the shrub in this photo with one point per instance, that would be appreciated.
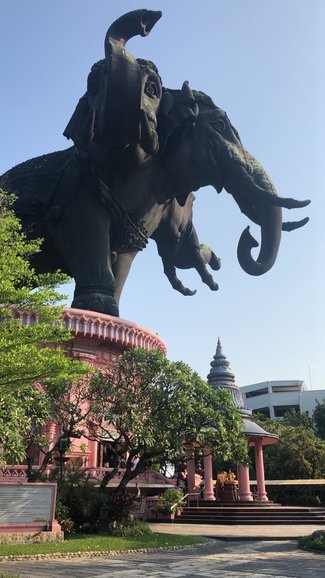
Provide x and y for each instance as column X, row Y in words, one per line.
column 62, row 514
column 314, row 542
column 130, row 529
column 170, row 501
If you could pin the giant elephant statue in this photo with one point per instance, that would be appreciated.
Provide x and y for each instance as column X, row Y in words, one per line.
column 139, row 151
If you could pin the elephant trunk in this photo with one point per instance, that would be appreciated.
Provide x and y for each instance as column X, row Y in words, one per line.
column 120, row 121
column 135, row 23
column 256, row 196
column 271, row 226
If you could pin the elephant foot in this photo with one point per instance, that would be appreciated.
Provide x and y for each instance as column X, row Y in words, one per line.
column 215, row 262
column 96, row 301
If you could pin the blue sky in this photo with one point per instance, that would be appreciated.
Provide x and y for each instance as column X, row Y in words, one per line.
column 263, row 62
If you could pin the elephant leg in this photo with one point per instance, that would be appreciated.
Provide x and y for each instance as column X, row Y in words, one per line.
column 199, row 264
column 121, row 266
column 193, row 255
column 82, row 235
column 175, row 282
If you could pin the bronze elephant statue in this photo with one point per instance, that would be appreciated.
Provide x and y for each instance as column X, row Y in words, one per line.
column 139, row 151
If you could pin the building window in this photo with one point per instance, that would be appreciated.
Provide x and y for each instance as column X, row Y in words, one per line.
column 280, row 410
column 263, row 410
column 257, row 392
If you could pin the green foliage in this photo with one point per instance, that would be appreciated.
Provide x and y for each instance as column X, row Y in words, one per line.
column 302, row 495
column 131, row 528
column 300, row 453
column 62, row 515
column 83, row 503
column 7, row 575
column 319, row 418
column 156, row 409
column 296, row 418
column 25, row 359
column 170, row 501
column 316, row 541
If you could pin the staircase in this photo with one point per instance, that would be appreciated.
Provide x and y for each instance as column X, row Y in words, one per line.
column 262, row 513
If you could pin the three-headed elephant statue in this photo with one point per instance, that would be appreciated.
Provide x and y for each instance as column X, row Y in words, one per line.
column 139, row 151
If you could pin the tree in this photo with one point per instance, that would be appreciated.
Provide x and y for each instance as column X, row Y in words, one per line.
column 319, row 418
column 149, row 410
column 155, row 410
column 297, row 418
column 300, row 453
column 29, row 354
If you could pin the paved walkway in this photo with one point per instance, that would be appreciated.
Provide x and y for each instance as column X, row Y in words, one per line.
column 224, row 557
column 218, row 559
column 258, row 531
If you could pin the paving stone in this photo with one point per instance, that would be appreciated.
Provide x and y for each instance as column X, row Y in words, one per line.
column 262, row 559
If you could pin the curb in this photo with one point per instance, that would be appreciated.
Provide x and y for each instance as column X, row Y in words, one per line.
column 97, row 553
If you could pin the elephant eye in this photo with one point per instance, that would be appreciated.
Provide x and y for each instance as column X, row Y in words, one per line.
column 219, row 125
column 152, row 88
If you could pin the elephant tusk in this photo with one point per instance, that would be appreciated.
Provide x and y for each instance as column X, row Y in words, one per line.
column 292, row 225
column 257, row 194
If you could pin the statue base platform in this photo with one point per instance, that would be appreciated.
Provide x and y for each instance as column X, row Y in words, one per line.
column 99, row 339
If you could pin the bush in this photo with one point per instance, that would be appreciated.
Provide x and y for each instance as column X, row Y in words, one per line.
column 83, row 503
column 297, row 495
column 62, row 515
column 7, row 575
column 130, row 529
column 314, row 542
column 170, row 501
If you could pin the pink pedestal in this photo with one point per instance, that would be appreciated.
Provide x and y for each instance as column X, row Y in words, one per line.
column 99, row 340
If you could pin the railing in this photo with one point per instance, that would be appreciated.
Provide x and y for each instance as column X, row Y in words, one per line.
column 196, row 495
column 187, row 496
column 16, row 474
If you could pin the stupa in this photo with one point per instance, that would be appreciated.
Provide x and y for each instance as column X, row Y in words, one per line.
column 221, row 376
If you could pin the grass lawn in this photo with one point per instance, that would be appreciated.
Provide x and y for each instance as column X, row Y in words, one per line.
column 94, row 543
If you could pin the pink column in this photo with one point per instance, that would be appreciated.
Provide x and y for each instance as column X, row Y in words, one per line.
column 92, row 460
column 190, row 473
column 244, row 491
column 208, row 476
column 260, row 477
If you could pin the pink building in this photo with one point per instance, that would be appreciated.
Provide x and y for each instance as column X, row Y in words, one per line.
column 99, row 340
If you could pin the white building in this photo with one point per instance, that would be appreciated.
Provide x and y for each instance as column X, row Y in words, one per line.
column 274, row 398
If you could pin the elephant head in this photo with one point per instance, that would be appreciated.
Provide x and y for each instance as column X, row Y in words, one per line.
column 202, row 145
column 119, row 109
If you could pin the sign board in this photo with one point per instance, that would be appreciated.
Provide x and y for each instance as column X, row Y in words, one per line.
column 27, row 504
column 143, row 505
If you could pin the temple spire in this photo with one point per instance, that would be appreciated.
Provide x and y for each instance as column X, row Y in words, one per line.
column 221, row 376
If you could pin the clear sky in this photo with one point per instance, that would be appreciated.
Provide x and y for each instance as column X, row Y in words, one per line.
column 263, row 62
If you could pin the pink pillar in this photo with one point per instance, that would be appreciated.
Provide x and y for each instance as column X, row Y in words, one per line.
column 244, row 491
column 260, row 477
column 208, row 477
column 190, row 473
column 92, row 460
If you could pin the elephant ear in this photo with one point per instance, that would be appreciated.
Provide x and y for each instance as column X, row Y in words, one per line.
column 178, row 108
column 80, row 127
column 111, row 107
